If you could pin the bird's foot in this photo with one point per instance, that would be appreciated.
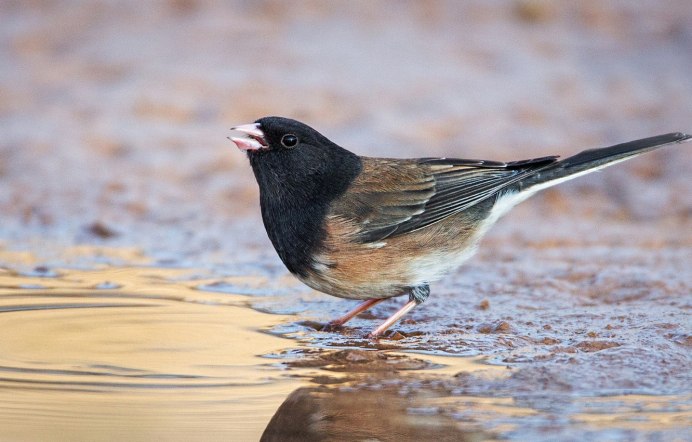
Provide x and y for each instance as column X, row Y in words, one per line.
column 337, row 323
column 373, row 336
column 377, row 333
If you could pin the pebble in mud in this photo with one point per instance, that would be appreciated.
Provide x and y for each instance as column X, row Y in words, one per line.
column 495, row 327
column 590, row 346
column 682, row 339
column 361, row 361
column 101, row 230
column 549, row 341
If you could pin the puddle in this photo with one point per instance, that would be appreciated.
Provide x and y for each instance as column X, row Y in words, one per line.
column 133, row 353
column 144, row 352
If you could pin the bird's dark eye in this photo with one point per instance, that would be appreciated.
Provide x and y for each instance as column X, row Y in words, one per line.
column 289, row 140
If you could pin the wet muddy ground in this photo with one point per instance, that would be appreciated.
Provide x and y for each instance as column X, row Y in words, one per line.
column 140, row 298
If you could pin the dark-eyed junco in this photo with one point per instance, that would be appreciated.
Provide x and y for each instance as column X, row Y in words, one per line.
column 374, row 228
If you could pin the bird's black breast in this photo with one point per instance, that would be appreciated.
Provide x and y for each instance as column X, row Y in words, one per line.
column 295, row 195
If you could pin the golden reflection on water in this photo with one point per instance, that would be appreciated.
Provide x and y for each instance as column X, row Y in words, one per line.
column 152, row 357
column 636, row 412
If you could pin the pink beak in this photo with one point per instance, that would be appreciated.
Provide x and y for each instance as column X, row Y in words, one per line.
column 254, row 139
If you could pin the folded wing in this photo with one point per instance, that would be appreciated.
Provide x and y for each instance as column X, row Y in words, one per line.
column 394, row 197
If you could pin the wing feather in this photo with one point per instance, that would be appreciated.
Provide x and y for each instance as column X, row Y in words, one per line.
column 394, row 197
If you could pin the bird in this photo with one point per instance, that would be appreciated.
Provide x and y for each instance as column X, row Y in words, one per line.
column 370, row 229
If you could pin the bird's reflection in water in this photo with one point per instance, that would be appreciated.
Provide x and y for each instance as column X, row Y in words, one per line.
column 383, row 414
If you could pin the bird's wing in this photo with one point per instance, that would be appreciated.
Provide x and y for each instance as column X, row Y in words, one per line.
column 393, row 197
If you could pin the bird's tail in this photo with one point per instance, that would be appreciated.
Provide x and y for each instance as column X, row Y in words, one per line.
column 595, row 159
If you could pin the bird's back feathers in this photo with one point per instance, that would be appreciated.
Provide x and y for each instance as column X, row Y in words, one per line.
column 417, row 193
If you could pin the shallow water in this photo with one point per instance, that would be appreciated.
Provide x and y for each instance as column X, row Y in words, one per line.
column 146, row 352
column 132, row 353
column 137, row 353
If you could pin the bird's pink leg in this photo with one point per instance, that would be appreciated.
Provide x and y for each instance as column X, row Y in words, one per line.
column 348, row 316
column 392, row 319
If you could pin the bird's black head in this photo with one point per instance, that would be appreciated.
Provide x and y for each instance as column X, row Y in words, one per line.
column 299, row 172
column 284, row 134
column 292, row 155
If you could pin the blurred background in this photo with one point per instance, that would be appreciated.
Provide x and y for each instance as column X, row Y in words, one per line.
column 114, row 114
